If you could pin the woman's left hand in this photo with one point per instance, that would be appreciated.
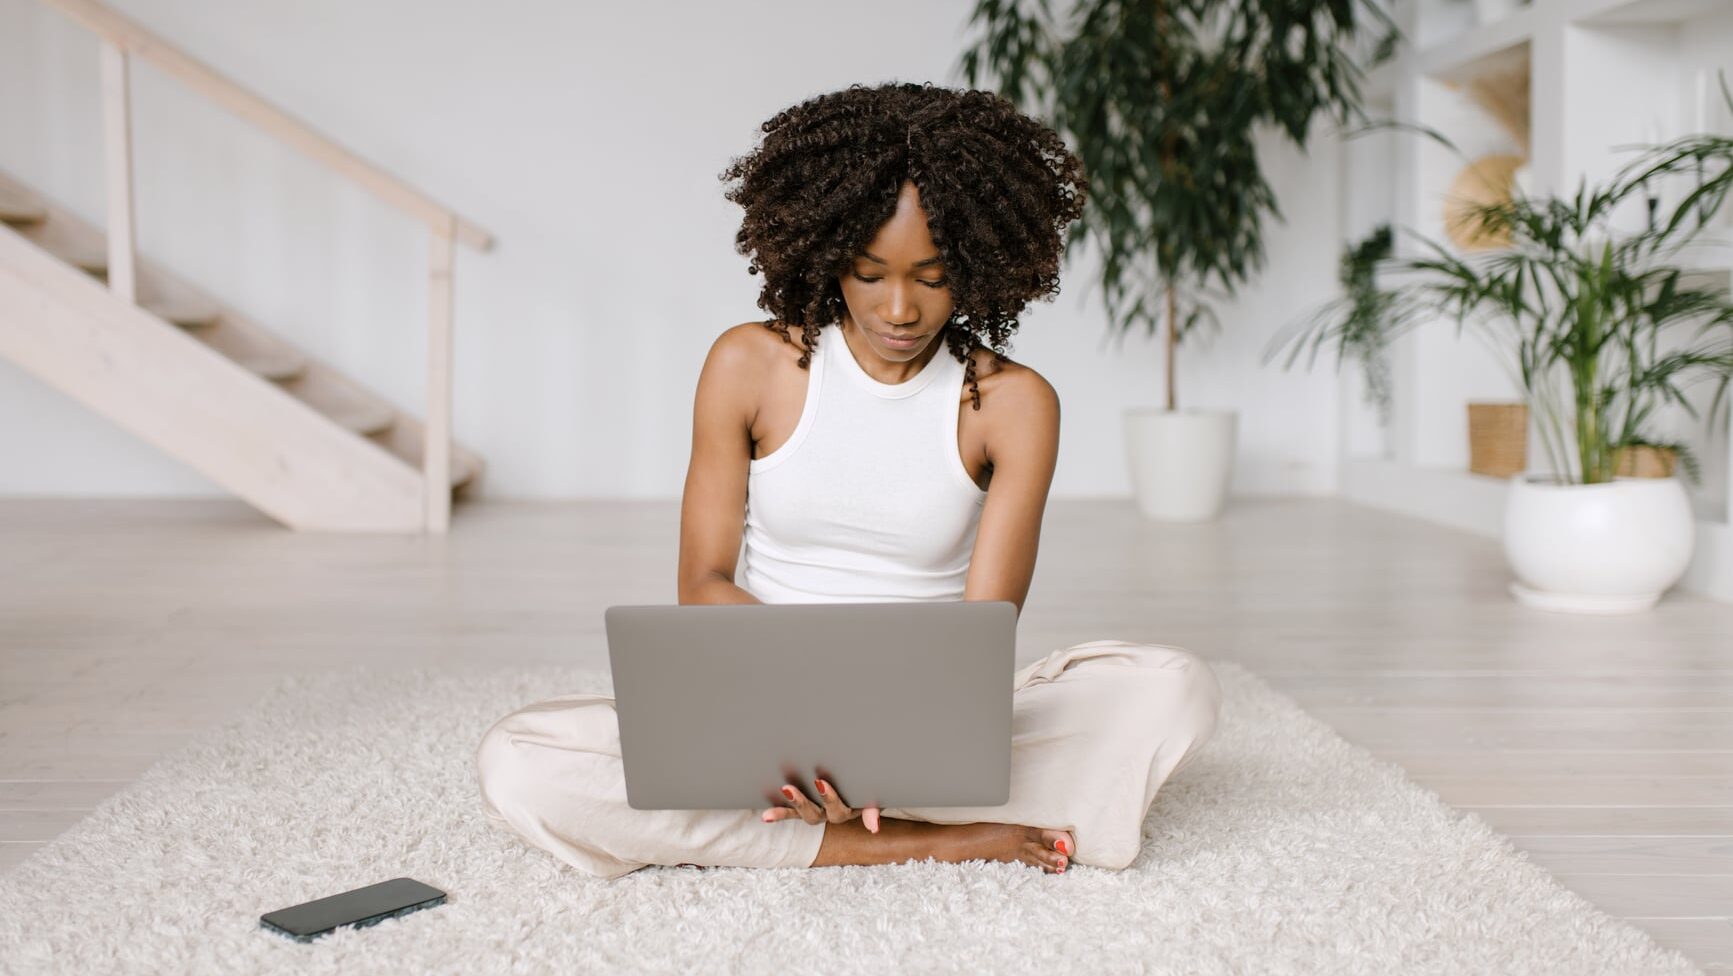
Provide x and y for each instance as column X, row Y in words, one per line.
column 829, row 808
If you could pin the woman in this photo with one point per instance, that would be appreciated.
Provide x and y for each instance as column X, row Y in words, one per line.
column 902, row 228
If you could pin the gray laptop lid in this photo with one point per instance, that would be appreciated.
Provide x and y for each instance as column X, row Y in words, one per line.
column 896, row 704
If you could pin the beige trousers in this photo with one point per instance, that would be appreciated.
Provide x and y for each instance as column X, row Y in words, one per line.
column 1096, row 729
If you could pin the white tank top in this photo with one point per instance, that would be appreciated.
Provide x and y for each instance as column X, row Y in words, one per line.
column 868, row 501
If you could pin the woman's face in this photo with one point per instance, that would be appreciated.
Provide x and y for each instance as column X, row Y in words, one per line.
column 897, row 286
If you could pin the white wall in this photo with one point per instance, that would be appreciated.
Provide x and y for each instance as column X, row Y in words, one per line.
column 588, row 139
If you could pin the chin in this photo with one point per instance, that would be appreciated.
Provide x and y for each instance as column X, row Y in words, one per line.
column 920, row 343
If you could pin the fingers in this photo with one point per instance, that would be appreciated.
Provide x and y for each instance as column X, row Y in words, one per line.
column 797, row 806
column 803, row 807
column 830, row 807
column 838, row 811
column 835, row 810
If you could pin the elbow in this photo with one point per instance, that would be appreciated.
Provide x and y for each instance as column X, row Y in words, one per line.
column 692, row 589
column 687, row 592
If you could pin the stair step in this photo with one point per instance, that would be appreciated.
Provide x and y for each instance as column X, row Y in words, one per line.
column 20, row 206
column 187, row 312
column 274, row 365
column 405, row 441
column 89, row 257
column 462, row 470
column 363, row 419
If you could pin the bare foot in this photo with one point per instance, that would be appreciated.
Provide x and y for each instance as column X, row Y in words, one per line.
column 910, row 840
column 1046, row 849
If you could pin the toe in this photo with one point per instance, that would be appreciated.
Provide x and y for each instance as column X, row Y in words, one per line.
column 1044, row 857
column 1061, row 841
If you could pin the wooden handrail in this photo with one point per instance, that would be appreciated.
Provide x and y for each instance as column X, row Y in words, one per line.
column 134, row 39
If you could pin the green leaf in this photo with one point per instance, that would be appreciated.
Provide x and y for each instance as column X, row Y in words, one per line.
column 1160, row 99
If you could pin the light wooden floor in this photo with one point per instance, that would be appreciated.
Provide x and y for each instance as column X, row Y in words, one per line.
column 1604, row 746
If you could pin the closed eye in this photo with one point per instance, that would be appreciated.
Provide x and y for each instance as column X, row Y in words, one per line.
column 940, row 283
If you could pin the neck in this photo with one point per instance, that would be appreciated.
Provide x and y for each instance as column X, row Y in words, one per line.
column 889, row 371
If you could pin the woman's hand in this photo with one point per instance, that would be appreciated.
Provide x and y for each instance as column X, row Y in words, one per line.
column 828, row 808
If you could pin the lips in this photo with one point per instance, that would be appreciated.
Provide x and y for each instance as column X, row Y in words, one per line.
column 900, row 339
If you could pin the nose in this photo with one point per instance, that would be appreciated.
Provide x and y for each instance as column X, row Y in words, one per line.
column 899, row 307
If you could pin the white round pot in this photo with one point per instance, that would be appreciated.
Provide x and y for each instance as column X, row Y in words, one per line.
column 1613, row 547
column 1180, row 461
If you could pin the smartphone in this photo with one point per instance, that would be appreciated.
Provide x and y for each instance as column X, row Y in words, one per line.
column 359, row 908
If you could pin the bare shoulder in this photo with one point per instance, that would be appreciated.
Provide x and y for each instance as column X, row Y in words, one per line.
column 746, row 353
column 1017, row 390
column 771, row 338
column 753, row 338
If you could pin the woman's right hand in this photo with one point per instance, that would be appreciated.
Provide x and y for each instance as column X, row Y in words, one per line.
column 828, row 808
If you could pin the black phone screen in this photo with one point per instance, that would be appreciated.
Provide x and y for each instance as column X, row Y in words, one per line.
column 360, row 907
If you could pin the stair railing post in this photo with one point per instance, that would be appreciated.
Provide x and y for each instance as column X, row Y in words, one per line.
column 436, row 451
column 117, row 140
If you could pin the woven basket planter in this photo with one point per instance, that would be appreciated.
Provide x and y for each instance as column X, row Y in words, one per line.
column 1498, row 439
column 1643, row 461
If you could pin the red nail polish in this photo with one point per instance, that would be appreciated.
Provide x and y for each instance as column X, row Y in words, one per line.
column 820, row 785
column 1064, row 848
column 788, row 791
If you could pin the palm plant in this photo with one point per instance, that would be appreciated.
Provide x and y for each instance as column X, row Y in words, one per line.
column 1359, row 322
column 1579, row 309
column 1161, row 99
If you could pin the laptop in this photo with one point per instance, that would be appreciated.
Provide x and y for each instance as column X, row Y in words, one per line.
column 899, row 704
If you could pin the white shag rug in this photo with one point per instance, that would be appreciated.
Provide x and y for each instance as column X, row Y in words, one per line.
column 1281, row 848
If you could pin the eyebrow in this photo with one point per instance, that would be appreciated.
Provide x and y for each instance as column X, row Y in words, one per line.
column 935, row 259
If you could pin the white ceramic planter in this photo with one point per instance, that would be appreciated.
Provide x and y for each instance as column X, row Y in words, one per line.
column 1180, row 461
column 1608, row 548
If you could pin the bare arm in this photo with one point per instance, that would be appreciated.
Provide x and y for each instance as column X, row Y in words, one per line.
column 713, row 506
column 1023, row 446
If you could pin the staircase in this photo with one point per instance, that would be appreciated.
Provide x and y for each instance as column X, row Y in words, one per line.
column 289, row 434
column 197, row 379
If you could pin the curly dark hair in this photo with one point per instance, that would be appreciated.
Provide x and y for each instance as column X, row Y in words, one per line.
column 998, row 188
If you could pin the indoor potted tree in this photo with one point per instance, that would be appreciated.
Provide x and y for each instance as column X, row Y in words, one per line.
column 1162, row 99
column 1602, row 326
